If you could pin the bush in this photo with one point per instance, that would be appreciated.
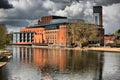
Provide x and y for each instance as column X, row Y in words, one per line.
column 117, row 45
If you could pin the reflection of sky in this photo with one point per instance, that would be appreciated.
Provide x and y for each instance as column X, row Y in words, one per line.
column 111, row 64
column 74, row 76
column 23, row 74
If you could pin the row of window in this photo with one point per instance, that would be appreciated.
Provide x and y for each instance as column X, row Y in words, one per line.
column 52, row 41
column 32, row 31
column 51, row 32
column 51, row 37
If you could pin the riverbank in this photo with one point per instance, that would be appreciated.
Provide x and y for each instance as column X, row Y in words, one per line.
column 5, row 56
column 107, row 49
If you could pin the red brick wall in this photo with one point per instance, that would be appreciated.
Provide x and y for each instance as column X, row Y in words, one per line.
column 51, row 36
column 62, row 35
column 39, row 32
column 46, row 19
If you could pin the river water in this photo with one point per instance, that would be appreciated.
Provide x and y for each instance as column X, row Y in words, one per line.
column 58, row 64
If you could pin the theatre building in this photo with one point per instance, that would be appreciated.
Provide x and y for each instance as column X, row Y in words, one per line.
column 51, row 30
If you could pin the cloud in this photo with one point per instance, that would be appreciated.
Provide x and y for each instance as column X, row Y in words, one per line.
column 49, row 4
column 14, row 25
column 77, row 9
column 107, row 2
column 24, row 9
column 12, row 28
column 111, row 17
column 84, row 10
column 5, row 4
column 98, row 2
column 15, row 22
column 73, row 10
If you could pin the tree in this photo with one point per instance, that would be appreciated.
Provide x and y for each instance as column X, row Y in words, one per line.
column 80, row 32
column 9, row 38
column 3, row 36
column 117, row 32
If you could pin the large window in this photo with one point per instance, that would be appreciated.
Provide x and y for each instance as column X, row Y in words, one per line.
column 96, row 19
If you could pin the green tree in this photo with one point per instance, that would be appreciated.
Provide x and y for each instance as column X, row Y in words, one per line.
column 3, row 36
column 80, row 32
column 117, row 32
column 9, row 38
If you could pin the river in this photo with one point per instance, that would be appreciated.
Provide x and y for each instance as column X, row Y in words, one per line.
column 58, row 64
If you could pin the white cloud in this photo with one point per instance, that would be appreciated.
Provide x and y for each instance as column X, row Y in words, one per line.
column 79, row 10
column 111, row 17
column 30, row 9
column 3, row 13
column 12, row 28
column 70, row 11
column 49, row 4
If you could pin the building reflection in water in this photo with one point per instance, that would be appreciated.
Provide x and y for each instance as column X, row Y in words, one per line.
column 26, row 55
column 55, row 61
column 99, row 68
column 47, row 58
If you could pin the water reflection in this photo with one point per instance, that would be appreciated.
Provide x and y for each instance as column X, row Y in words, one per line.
column 61, row 59
column 54, row 64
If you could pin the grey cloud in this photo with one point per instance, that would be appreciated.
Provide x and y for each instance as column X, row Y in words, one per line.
column 5, row 4
column 14, row 22
column 107, row 2
column 98, row 2
column 13, row 28
column 32, row 10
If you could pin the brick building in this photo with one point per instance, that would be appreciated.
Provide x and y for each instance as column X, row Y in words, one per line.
column 109, row 39
column 52, row 30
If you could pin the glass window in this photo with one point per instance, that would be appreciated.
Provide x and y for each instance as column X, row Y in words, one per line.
column 96, row 19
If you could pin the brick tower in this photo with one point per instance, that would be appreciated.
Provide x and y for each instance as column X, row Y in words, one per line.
column 97, row 15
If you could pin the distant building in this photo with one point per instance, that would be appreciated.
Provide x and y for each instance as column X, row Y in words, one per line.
column 118, row 40
column 53, row 30
column 108, row 39
column 111, row 39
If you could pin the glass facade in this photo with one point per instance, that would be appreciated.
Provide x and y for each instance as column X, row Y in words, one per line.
column 22, row 37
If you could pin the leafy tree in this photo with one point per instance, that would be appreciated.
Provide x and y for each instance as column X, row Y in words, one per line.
column 3, row 36
column 9, row 37
column 117, row 32
column 80, row 32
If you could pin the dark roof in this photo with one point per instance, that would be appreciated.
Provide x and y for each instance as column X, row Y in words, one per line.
column 55, row 22
column 97, row 9
column 55, row 17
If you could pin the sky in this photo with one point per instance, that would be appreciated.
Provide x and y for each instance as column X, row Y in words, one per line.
column 19, row 13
